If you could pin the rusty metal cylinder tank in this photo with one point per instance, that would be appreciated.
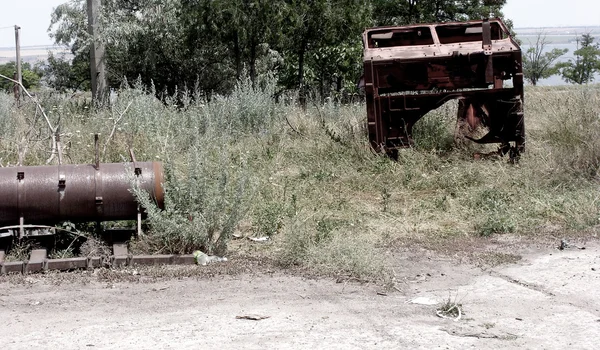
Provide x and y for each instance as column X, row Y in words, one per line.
column 49, row 194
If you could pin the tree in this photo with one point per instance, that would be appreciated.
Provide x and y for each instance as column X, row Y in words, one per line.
column 68, row 28
column 322, row 45
column 243, row 31
column 539, row 63
column 30, row 75
column 394, row 12
column 172, row 43
column 585, row 65
column 310, row 45
column 62, row 73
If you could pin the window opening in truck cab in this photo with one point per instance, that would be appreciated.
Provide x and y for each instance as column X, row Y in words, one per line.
column 452, row 34
column 418, row 36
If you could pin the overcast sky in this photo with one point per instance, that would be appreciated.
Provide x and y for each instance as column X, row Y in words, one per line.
column 553, row 13
column 33, row 16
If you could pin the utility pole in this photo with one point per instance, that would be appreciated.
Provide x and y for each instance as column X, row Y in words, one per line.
column 96, row 52
column 19, row 76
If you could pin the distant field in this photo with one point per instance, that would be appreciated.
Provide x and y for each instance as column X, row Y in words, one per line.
column 562, row 35
column 32, row 54
column 559, row 30
column 553, row 39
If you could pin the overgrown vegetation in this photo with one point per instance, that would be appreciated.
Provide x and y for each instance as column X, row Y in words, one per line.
column 258, row 166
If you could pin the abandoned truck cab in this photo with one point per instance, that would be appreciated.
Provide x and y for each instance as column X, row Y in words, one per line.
column 411, row 70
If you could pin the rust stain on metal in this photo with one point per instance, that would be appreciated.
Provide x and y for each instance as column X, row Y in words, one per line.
column 411, row 70
column 50, row 194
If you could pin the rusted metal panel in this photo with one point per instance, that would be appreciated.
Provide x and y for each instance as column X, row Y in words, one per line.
column 119, row 261
column 50, row 194
column 12, row 267
column 120, row 249
column 36, row 260
column 151, row 260
column 411, row 70
column 66, row 264
column 37, row 264
column 121, row 255
column 95, row 262
column 187, row 259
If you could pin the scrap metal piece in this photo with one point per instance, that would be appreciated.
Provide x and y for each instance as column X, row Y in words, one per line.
column 486, row 37
column 412, row 70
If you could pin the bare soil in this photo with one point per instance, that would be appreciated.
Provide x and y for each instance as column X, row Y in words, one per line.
column 546, row 299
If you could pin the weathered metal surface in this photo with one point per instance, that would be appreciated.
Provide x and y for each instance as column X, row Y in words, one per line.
column 66, row 264
column 119, row 261
column 411, row 70
column 184, row 259
column 12, row 267
column 95, row 262
column 49, row 194
column 120, row 249
column 36, row 260
column 120, row 254
column 151, row 260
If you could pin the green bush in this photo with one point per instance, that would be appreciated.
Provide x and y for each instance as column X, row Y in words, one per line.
column 207, row 181
column 203, row 205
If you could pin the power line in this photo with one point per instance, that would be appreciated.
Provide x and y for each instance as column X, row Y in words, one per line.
column 7, row 27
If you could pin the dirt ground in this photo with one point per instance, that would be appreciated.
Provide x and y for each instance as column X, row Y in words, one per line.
column 547, row 300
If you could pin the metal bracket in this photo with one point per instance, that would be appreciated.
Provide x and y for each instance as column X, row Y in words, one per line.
column 62, row 182
column 99, row 205
column 487, row 37
column 96, row 151
column 137, row 170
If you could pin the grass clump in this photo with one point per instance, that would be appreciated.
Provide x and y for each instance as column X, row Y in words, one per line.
column 331, row 247
column 495, row 211
column 572, row 132
column 450, row 308
column 19, row 251
column 435, row 131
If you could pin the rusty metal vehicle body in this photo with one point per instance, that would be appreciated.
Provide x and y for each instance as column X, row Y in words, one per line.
column 33, row 195
column 411, row 70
